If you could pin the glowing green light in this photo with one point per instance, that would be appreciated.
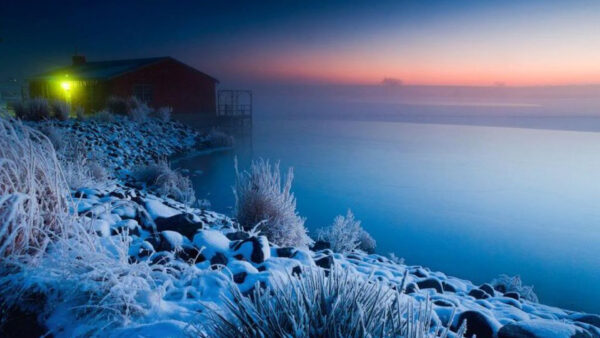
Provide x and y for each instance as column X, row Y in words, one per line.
column 66, row 85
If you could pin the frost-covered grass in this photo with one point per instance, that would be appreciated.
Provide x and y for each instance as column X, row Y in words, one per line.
column 163, row 114
column 317, row 304
column 505, row 283
column 81, row 169
column 346, row 234
column 33, row 192
column 263, row 197
column 167, row 182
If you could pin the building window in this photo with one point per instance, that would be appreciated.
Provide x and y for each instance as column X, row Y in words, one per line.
column 143, row 92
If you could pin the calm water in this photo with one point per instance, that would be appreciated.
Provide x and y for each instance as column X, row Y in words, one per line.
column 471, row 201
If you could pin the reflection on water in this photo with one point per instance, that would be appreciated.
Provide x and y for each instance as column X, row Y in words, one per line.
column 471, row 201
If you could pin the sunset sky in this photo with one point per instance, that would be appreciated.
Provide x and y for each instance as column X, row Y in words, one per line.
column 431, row 43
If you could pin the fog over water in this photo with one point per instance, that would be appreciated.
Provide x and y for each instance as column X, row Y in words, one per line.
column 472, row 182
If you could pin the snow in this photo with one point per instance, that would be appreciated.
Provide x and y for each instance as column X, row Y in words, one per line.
column 157, row 209
column 212, row 241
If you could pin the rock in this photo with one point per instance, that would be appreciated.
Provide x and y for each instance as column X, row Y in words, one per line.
column 181, row 223
column 237, row 235
column 218, row 259
column 285, row 252
column 443, row 303
column 587, row 318
column 487, row 289
column 297, row 270
column 240, row 277
column 191, row 255
column 254, row 249
column 411, row 288
column 325, row 262
column 513, row 295
column 431, row 283
column 144, row 219
column 478, row 324
column 419, row 272
column 320, row 245
column 448, row 287
column 17, row 323
column 478, row 294
column 542, row 328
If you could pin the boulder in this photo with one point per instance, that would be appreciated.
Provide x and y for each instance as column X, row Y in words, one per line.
column 320, row 245
column 218, row 259
column 513, row 295
column 487, row 288
column 411, row 288
column 237, row 235
column 181, row 223
column 431, row 283
column 478, row 294
column 254, row 249
column 448, row 287
column 587, row 318
column 240, row 277
column 325, row 262
column 478, row 324
column 542, row 328
column 285, row 252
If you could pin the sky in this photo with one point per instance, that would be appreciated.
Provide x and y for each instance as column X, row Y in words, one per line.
column 461, row 43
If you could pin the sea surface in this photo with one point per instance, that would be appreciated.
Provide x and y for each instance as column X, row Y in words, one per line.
column 473, row 201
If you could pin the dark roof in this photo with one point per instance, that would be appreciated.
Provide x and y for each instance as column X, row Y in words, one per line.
column 104, row 70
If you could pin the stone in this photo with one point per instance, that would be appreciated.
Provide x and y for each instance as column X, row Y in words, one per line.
column 240, row 277
column 420, row 273
column 285, row 252
column 478, row 294
column 297, row 270
column 431, row 283
column 237, row 235
column 218, row 259
column 411, row 288
column 542, row 328
column 181, row 223
column 588, row 319
column 487, row 288
column 513, row 295
column 477, row 324
column 325, row 262
column 320, row 245
column 448, row 287
column 259, row 251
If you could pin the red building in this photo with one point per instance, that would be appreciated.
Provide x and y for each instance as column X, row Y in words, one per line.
column 161, row 81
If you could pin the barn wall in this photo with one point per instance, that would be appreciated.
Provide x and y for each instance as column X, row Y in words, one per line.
column 173, row 84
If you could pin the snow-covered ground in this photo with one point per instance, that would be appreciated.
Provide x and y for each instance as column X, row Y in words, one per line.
column 177, row 262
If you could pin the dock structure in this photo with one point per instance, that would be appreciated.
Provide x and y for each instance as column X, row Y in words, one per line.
column 234, row 110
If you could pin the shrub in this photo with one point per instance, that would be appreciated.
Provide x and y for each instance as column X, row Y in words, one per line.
column 117, row 105
column 167, row 182
column 104, row 116
column 217, row 138
column 137, row 110
column 80, row 113
column 317, row 304
column 346, row 234
column 36, row 109
column 261, row 198
column 505, row 283
column 32, row 190
column 163, row 113
column 80, row 170
column 60, row 110
column 55, row 135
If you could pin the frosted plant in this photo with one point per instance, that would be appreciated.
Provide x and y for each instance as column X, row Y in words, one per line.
column 80, row 168
column 346, row 234
column 104, row 116
column 167, row 182
column 395, row 259
column 36, row 109
column 505, row 283
column 54, row 134
column 60, row 110
column 260, row 196
column 316, row 304
column 32, row 190
column 163, row 113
